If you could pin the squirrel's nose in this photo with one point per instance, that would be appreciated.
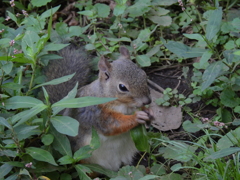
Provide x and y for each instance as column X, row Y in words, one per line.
column 147, row 101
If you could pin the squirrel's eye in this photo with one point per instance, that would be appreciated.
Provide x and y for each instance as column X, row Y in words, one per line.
column 122, row 88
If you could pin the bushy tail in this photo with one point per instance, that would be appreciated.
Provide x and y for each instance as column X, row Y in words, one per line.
column 75, row 60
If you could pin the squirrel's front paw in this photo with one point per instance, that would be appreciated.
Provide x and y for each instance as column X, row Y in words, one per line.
column 142, row 117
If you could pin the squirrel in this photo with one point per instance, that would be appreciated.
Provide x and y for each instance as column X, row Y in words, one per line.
column 121, row 79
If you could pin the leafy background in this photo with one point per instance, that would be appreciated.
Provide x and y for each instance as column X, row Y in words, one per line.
column 190, row 48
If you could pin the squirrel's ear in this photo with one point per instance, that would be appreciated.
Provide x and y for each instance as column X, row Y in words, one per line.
column 124, row 52
column 104, row 65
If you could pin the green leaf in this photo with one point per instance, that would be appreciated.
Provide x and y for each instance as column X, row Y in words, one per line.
column 103, row 10
column 65, row 125
column 4, row 170
column 82, row 172
column 162, row 20
column 70, row 95
column 229, row 45
column 179, row 151
column 40, row 155
column 17, row 102
column 222, row 153
column 7, row 67
column 12, row 86
column 29, row 44
column 230, row 139
column 143, row 60
column 4, row 122
column 8, row 153
column 119, row 39
column 204, row 59
column 101, row 170
column 81, row 102
column 229, row 98
column 56, row 81
column 211, row 73
column 83, row 153
column 147, row 177
column 25, row 131
column 184, row 51
column 214, row 23
column 47, row 139
column 119, row 9
column 95, row 141
column 191, row 127
column 38, row 3
column 61, row 143
column 140, row 138
column 26, row 115
column 49, row 12
column 66, row 160
column 163, row 2
column 158, row 169
column 12, row 16
column 139, row 8
column 55, row 47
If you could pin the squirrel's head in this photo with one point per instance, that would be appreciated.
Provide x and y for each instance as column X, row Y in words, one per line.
column 124, row 80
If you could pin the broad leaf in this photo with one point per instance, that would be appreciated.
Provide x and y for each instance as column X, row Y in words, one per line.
column 41, row 155
column 65, row 125
column 140, row 138
column 17, row 102
column 214, row 23
column 143, row 60
column 211, row 73
column 4, row 170
column 183, row 50
column 61, row 143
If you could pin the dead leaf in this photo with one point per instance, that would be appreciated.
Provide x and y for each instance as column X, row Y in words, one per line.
column 165, row 118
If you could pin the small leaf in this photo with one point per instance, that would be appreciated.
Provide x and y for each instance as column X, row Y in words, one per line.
column 162, row 20
column 38, row 3
column 7, row 67
column 140, row 138
column 190, row 127
column 119, row 9
column 47, row 139
column 103, row 10
column 41, row 155
column 82, row 172
column 83, row 153
column 65, row 125
column 143, row 60
column 66, row 160
column 49, row 12
column 229, row 98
